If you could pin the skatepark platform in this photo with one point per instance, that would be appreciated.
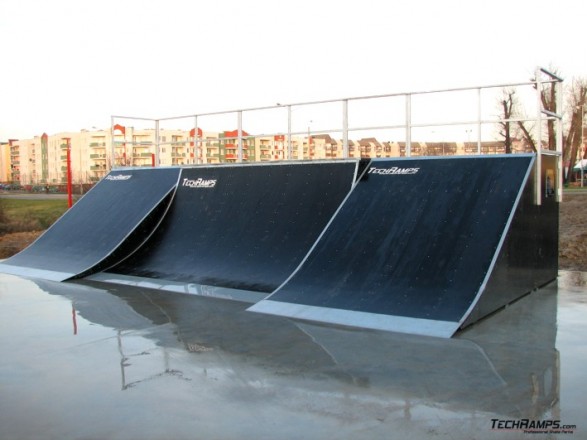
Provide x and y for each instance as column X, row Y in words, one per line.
column 413, row 245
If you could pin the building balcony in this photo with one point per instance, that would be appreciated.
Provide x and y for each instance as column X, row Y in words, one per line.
column 230, row 156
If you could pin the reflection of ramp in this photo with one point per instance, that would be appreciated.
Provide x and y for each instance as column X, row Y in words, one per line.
column 411, row 249
column 239, row 227
column 87, row 236
column 502, row 365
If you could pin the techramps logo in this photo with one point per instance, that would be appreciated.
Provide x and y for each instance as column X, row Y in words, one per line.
column 528, row 426
column 393, row 171
column 199, row 183
column 118, row 177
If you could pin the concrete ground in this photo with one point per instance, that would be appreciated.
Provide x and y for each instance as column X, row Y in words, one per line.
column 87, row 360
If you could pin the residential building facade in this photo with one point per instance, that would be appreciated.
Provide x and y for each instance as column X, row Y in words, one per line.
column 43, row 160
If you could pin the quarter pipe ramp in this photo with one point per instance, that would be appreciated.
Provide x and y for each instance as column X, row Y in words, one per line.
column 411, row 249
column 233, row 230
column 108, row 222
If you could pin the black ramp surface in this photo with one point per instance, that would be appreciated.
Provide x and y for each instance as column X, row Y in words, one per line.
column 96, row 225
column 240, row 227
column 411, row 247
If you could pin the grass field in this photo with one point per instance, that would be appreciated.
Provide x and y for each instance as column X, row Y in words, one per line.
column 20, row 215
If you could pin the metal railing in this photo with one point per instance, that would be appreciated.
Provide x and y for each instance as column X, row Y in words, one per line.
column 406, row 124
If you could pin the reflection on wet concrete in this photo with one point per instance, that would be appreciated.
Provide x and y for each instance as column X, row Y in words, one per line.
column 218, row 356
column 513, row 354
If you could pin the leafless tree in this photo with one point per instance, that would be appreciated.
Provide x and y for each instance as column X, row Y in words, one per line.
column 576, row 103
column 548, row 98
column 510, row 108
column 527, row 135
column 507, row 103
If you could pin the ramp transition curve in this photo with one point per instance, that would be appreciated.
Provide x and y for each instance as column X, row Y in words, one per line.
column 412, row 248
column 236, row 230
column 108, row 222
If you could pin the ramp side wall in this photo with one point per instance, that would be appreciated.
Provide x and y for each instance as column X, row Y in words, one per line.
column 529, row 256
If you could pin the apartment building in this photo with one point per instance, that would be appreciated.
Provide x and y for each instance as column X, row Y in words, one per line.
column 92, row 153
column 4, row 162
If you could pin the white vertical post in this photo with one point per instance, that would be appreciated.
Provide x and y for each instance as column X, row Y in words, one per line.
column 157, row 142
column 112, row 148
column 538, row 167
column 582, row 149
column 345, row 128
column 479, row 121
column 559, row 141
column 408, row 125
column 289, row 145
column 240, row 136
column 197, row 145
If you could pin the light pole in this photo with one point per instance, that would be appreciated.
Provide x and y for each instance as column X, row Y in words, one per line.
column 68, row 162
column 582, row 109
column 468, row 131
column 582, row 144
column 309, row 139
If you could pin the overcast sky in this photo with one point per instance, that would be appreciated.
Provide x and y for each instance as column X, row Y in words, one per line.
column 71, row 64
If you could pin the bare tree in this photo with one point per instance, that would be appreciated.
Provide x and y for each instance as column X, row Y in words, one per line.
column 577, row 99
column 548, row 98
column 510, row 108
column 527, row 135
column 507, row 107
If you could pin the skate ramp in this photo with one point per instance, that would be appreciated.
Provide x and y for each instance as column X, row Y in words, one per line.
column 412, row 248
column 238, row 231
column 107, row 223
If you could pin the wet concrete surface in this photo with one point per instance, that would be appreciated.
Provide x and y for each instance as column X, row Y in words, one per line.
column 87, row 360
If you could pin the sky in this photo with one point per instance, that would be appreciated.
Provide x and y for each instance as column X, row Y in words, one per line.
column 72, row 64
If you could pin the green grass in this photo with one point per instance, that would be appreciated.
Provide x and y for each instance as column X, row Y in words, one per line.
column 18, row 215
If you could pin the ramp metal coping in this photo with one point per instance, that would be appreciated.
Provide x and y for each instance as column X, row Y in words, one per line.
column 31, row 272
column 247, row 296
column 266, row 163
column 374, row 321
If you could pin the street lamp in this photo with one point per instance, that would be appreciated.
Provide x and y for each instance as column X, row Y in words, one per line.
column 582, row 144
column 583, row 109
column 309, row 139
column 468, row 131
